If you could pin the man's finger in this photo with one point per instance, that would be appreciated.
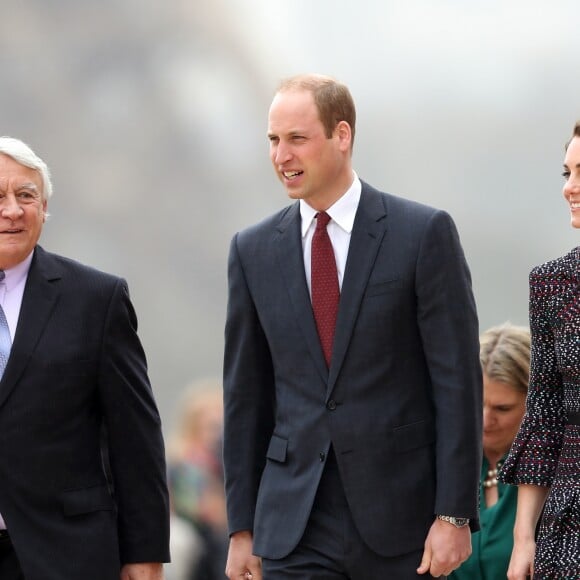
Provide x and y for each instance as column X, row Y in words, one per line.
column 425, row 562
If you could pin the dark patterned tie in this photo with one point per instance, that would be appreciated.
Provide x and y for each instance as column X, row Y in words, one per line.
column 5, row 340
column 324, row 282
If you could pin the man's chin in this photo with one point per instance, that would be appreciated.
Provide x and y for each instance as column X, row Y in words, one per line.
column 294, row 193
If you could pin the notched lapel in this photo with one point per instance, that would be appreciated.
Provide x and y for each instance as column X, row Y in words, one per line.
column 288, row 243
column 368, row 231
column 38, row 301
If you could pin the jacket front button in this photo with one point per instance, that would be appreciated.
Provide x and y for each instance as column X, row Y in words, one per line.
column 322, row 456
column 331, row 405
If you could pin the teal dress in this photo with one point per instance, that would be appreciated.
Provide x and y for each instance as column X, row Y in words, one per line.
column 492, row 545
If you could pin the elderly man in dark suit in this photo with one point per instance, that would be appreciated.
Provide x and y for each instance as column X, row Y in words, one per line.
column 352, row 381
column 82, row 473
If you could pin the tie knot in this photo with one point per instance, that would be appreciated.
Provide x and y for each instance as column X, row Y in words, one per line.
column 322, row 219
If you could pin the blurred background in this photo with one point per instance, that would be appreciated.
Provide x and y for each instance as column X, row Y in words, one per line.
column 152, row 117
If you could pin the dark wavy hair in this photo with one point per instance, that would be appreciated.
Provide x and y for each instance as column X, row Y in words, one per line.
column 575, row 133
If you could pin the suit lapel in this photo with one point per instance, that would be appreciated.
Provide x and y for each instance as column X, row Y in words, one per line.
column 367, row 234
column 288, row 245
column 39, row 298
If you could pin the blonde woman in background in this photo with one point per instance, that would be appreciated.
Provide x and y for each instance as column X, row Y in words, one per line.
column 505, row 361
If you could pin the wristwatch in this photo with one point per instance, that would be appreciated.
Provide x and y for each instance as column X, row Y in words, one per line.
column 457, row 522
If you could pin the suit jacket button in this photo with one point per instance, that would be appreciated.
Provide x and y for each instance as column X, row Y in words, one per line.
column 331, row 405
column 322, row 456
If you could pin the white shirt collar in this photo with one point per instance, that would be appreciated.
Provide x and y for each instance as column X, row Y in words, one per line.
column 15, row 275
column 342, row 211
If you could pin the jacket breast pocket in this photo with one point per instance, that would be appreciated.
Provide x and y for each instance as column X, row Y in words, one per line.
column 277, row 449
column 86, row 500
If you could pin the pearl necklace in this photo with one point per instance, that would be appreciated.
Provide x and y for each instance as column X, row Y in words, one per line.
column 491, row 478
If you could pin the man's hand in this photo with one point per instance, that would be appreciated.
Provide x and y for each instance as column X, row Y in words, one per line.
column 144, row 571
column 242, row 564
column 446, row 547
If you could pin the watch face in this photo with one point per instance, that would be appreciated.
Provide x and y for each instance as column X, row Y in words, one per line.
column 457, row 522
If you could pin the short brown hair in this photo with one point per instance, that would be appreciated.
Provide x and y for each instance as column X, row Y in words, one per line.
column 505, row 355
column 332, row 98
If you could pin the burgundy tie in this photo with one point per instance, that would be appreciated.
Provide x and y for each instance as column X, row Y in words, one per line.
column 324, row 281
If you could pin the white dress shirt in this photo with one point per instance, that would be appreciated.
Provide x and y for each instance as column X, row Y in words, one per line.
column 342, row 214
column 11, row 292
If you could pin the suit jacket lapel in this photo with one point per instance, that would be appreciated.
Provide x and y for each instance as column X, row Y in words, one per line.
column 291, row 259
column 367, row 234
column 40, row 296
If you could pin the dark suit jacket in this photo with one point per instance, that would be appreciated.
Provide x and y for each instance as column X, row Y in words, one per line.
column 400, row 404
column 77, row 377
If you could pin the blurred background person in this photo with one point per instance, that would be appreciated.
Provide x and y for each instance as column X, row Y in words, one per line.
column 196, row 475
column 505, row 361
column 187, row 549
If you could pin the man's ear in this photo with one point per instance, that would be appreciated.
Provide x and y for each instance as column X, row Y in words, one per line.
column 344, row 134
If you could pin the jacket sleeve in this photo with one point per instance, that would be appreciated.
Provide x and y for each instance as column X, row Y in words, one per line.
column 133, row 437
column 449, row 330
column 248, row 398
column 535, row 452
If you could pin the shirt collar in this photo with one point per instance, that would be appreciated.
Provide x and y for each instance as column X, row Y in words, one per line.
column 16, row 274
column 342, row 211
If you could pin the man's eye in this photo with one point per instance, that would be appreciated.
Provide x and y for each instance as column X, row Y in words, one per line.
column 566, row 174
column 26, row 195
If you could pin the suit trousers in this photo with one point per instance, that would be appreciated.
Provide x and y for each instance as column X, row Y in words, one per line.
column 331, row 547
column 9, row 565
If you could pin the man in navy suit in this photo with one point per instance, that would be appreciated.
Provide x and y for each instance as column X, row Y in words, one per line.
column 83, row 493
column 366, row 466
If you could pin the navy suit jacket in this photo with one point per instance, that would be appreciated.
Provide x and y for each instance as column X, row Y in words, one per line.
column 75, row 395
column 400, row 403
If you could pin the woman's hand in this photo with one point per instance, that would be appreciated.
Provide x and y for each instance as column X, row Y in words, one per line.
column 522, row 561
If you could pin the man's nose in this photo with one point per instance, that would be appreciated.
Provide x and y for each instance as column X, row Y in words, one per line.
column 282, row 154
column 9, row 207
column 487, row 418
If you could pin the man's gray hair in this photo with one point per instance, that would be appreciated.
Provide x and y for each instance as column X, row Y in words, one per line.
column 23, row 154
